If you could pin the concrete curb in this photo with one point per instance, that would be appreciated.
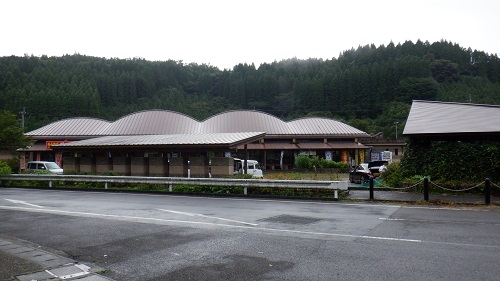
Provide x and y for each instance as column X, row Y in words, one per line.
column 55, row 267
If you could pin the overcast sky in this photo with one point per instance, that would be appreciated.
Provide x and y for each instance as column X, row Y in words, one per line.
column 224, row 33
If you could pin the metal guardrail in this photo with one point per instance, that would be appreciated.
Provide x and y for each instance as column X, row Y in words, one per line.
column 170, row 181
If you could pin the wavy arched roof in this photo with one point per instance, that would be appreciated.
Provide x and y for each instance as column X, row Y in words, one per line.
column 321, row 126
column 244, row 121
column 79, row 126
column 164, row 122
column 154, row 122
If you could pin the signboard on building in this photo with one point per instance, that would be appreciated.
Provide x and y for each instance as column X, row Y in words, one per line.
column 376, row 156
column 328, row 155
column 49, row 144
column 381, row 156
column 387, row 156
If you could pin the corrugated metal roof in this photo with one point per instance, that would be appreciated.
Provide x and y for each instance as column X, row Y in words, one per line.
column 158, row 122
column 322, row 126
column 177, row 139
column 73, row 127
column 154, row 122
column 244, row 121
column 429, row 117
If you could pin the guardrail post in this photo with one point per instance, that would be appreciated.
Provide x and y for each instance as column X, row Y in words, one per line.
column 487, row 191
column 336, row 194
column 371, row 188
column 426, row 189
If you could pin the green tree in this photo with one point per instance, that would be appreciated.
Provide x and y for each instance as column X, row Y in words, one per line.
column 11, row 135
column 412, row 88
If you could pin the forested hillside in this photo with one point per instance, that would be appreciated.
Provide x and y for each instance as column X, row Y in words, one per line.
column 369, row 87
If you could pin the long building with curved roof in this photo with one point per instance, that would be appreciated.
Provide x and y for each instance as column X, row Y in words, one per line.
column 272, row 141
column 157, row 122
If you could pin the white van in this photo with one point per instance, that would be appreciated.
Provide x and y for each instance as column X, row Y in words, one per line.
column 34, row 166
column 253, row 168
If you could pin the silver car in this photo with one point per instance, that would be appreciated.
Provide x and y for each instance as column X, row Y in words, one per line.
column 41, row 166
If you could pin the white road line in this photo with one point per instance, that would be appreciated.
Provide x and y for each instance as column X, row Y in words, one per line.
column 337, row 203
column 441, row 221
column 204, row 216
column 143, row 219
column 22, row 202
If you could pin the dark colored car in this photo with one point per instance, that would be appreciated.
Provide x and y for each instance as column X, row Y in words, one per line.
column 360, row 174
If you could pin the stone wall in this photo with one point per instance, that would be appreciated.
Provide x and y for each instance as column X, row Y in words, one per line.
column 86, row 165
column 138, row 166
column 103, row 165
column 177, row 167
column 222, row 166
column 158, row 167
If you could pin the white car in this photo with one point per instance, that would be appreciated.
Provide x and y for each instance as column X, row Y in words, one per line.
column 52, row 167
column 253, row 168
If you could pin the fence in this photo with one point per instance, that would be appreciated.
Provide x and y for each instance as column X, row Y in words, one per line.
column 171, row 181
column 426, row 189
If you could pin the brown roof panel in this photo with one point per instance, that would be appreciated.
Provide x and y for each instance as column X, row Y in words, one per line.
column 35, row 147
column 347, row 145
column 312, row 145
column 269, row 146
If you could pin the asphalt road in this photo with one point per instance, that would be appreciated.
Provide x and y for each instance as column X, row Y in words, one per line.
column 162, row 237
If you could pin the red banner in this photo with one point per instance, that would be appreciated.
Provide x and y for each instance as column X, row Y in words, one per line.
column 49, row 144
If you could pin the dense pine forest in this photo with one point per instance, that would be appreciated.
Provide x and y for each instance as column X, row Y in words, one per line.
column 369, row 87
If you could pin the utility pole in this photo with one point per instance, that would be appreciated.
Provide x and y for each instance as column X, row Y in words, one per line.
column 23, row 112
column 396, row 123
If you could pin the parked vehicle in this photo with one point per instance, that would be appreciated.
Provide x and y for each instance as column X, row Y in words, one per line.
column 360, row 174
column 253, row 168
column 44, row 166
column 377, row 167
column 364, row 171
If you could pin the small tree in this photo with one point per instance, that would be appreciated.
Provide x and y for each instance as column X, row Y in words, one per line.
column 4, row 168
column 11, row 135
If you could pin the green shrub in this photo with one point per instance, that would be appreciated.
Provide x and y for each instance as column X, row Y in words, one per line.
column 308, row 163
column 5, row 168
column 303, row 162
column 393, row 175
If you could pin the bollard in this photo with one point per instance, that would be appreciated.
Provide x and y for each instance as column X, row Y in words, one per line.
column 487, row 191
column 106, row 185
column 371, row 188
column 50, row 183
column 426, row 189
